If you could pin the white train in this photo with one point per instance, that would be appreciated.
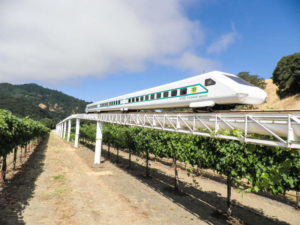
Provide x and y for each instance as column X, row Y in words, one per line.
column 210, row 91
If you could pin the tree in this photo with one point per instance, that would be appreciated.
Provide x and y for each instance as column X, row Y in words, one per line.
column 253, row 79
column 287, row 75
column 48, row 123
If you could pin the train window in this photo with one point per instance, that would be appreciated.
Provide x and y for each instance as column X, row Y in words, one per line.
column 174, row 93
column 183, row 91
column 239, row 80
column 158, row 95
column 119, row 102
column 133, row 99
column 166, row 94
column 142, row 98
column 129, row 100
column 146, row 97
column 152, row 96
column 137, row 99
column 209, row 82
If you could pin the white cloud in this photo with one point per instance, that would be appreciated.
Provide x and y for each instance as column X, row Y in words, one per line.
column 193, row 62
column 223, row 42
column 58, row 40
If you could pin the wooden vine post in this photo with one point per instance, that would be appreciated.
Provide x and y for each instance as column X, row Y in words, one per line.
column 298, row 200
column 229, row 182
column 15, row 157
column 3, row 168
column 176, row 185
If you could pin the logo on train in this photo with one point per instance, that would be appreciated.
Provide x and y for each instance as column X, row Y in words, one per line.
column 194, row 89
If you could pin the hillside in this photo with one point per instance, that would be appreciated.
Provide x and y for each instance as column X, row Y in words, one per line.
column 21, row 108
column 44, row 102
column 273, row 101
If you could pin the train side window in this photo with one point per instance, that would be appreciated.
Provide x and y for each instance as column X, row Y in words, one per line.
column 146, row 97
column 209, row 82
column 166, row 94
column 158, row 95
column 174, row 93
column 137, row 99
column 183, row 91
column 129, row 100
column 152, row 96
column 142, row 98
column 132, row 100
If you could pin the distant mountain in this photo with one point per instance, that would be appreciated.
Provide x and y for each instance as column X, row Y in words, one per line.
column 38, row 102
column 22, row 108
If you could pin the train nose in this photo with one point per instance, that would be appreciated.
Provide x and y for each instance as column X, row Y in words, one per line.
column 255, row 97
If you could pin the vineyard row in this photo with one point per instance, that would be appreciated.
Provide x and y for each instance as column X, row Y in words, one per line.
column 267, row 169
column 16, row 132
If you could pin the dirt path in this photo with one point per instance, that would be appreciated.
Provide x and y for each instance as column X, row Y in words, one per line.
column 60, row 185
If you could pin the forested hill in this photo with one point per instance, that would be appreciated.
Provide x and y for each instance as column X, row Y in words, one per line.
column 38, row 102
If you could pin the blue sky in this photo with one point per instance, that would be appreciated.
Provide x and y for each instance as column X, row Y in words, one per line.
column 152, row 43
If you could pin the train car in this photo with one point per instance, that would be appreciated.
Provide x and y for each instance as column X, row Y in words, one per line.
column 210, row 91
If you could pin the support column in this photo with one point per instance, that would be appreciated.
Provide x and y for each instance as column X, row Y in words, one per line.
column 65, row 129
column 98, row 146
column 77, row 133
column 69, row 130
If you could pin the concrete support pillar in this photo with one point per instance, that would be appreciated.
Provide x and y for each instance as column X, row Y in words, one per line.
column 60, row 130
column 98, row 146
column 77, row 133
column 69, row 130
column 65, row 129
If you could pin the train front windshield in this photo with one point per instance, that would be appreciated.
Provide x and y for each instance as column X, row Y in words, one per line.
column 239, row 80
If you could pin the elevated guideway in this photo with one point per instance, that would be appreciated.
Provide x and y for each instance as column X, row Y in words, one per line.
column 272, row 128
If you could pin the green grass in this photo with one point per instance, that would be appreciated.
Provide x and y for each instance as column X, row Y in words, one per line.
column 59, row 177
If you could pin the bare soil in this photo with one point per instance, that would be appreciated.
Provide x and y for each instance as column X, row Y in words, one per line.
column 273, row 101
column 59, row 184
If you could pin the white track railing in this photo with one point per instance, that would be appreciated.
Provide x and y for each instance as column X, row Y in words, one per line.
column 283, row 127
